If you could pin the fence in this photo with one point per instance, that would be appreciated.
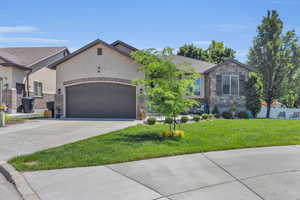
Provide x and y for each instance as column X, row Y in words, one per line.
column 275, row 112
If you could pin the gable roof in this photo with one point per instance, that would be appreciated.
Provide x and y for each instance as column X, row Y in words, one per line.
column 119, row 42
column 230, row 60
column 25, row 57
column 198, row 65
column 86, row 47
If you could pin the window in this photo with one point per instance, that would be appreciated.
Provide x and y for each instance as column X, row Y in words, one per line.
column 38, row 89
column 197, row 89
column 230, row 85
column 20, row 89
column 99, row 51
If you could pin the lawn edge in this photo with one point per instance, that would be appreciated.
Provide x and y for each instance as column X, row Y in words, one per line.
column 18, row 181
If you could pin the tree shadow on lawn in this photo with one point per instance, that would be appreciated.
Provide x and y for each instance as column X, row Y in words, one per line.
column 142, row 137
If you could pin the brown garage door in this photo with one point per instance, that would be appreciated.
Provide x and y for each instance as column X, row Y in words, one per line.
column 101, row 100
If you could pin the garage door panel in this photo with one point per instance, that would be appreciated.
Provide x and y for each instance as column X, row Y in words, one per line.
column 101, row 100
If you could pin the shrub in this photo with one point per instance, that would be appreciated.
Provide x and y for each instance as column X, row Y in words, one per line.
column 166, row 133
column 179, row 133
column 215, row 111
column 242, row 115
column 210, row 116
column 217, row 115
column 205, row 116
column 168, row 120
column 151, row 120
column 184, row 119
column 227, row 115
column 196, row 118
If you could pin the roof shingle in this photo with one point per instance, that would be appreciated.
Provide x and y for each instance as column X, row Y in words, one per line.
column 26, row 56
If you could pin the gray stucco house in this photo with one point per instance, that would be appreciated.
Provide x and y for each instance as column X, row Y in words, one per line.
column 95, row 81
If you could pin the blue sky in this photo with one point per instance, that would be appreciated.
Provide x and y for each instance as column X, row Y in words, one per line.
column 143, row 24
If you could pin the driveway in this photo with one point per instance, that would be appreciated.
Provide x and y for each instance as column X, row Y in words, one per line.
column 36, row 135
column 271, row 173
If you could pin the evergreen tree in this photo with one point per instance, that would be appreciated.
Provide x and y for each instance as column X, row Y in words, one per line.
column 254, row 94
column 273, row 53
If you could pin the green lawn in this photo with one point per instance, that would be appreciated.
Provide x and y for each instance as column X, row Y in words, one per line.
column 142, row 141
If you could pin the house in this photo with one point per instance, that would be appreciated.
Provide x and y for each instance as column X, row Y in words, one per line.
column 24, row 72
column 95, row 81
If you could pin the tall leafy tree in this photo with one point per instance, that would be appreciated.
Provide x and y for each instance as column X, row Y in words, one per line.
column 166, row 84
column 272, row 53
column 254, row 93
column 216, row 52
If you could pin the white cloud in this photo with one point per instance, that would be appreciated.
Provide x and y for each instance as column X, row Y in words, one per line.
column 18, row 29
column 231, row 27
column 226, row 27
column 201, row 43
column 286, row 2
column 31, row 40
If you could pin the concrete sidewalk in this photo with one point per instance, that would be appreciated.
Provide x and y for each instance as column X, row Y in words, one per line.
column 271, row 173
column 7, row 190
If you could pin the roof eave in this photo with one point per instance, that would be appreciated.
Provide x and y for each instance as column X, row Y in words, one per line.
column 230, row 60
column 82, row 49
column 10, row 64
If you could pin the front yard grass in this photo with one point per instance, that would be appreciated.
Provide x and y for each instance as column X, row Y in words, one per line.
column 144, row 141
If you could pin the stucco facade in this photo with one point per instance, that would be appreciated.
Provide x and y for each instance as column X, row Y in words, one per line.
column 25, row 76
column 88, row 66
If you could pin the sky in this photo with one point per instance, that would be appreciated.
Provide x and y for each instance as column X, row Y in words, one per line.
column 141, row 23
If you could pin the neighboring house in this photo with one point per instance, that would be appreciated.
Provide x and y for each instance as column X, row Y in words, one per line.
column 95, row 81
column 24, row 72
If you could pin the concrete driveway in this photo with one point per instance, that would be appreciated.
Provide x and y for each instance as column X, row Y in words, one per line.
column 36, row 135
column 271, row 173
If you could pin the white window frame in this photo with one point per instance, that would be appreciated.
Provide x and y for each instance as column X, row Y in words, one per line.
column 36, row 93
column 238, row 83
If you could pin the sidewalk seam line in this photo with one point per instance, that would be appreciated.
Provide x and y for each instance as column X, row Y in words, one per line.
column 240, row 181
column 35, row 192
column 199, row 188
column 132, row 179
column 272, row 173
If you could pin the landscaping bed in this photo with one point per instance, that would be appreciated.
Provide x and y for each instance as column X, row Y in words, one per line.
column 146, row 141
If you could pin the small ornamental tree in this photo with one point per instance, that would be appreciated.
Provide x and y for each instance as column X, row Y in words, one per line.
column 166, row 84
column 254, row 94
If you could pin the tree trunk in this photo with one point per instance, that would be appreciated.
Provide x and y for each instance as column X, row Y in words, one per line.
column 268, row 109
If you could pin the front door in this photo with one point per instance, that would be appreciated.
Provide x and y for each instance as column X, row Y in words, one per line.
column 20, row 87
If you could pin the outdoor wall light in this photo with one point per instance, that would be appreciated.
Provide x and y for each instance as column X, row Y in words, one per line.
column 141, row 91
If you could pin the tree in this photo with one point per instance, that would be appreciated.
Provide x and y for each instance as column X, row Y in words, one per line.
column 166, row 84
column 273, row 53
column 215, row 53
column 254, row 94
column 218, row 53
column 289, row 99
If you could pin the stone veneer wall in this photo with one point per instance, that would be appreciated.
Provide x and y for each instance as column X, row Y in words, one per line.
column 41, row 102
column 10, row 100
column 225, row 102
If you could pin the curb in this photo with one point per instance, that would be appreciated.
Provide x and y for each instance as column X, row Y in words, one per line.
column 18, row 180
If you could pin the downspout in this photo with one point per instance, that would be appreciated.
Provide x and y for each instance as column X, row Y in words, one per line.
column 1, row 91
column 27, row 83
